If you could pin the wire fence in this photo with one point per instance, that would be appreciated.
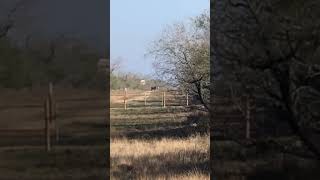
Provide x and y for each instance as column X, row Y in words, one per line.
column 69, row 119
column 55, row 119
column 155, row 98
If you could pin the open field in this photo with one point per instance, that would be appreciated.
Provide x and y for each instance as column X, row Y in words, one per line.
column 262, row 156
column 79, row 152
column 232, row 161
column 64, row 162
column 140, row 98
column 157, row 143
column 160, row 159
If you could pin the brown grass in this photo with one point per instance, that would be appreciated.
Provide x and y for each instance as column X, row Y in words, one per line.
column 160, row 159
column 132, row 95
column 81, row 150
column 151, row 143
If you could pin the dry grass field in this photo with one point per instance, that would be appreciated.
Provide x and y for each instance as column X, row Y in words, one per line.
column 146, row 142
column 160, row 159
column 157, row 143
column 80, row 151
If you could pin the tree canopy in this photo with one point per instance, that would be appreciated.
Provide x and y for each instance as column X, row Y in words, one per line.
column 181, row 56
column 270, row 49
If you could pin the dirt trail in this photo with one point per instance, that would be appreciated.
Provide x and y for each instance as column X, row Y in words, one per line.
column 131, row 97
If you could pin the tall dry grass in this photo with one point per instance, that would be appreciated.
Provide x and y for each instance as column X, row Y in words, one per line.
column 167, row 158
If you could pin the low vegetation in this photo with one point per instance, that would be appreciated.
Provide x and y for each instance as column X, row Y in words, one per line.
column 157, row 143
column 79, row 153
column 160, row 159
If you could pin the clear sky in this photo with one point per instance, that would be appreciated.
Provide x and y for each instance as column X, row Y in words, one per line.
column 136, row 23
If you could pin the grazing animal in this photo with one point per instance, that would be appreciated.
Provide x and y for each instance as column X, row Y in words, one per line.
column 153, row 88
column 143, row 82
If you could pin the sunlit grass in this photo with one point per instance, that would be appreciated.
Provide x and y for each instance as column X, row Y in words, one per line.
column 160, row 159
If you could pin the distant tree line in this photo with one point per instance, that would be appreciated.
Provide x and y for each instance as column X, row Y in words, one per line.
column 65, row 61
column 35, row 61
column 131, row 80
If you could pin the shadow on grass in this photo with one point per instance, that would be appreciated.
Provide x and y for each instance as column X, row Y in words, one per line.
column 232, row 161
column 62, row 163
column 150, row 110
column 162, row 165
column 178, row 132
column 89, row 125
column 194, row 124
column 287, row 173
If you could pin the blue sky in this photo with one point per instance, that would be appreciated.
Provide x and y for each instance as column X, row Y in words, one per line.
column 134, row 24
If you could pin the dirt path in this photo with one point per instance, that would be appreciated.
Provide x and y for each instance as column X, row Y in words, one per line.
column 131, row 97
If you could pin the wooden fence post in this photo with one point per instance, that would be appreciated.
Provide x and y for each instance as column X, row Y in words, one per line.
column 248, row 118
column 57, row 134
column 187, row 99
column 56, row 125
column 125, row 98
column 161, row 94
column 52, row 111
column 145, row 99
column 164, row 99
column 50, row 101
column 47, row 125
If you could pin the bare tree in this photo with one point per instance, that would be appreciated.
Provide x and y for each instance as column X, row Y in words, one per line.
column 182, row 56
column 9, row 21
column 115, row 64
column 272, row 48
